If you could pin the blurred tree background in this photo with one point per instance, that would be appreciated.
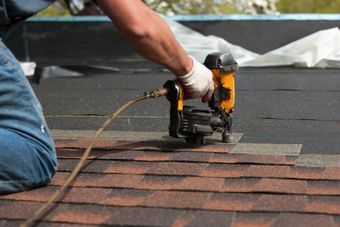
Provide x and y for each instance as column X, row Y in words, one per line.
column 173, row 7
column 56, row 9
column 309, row 6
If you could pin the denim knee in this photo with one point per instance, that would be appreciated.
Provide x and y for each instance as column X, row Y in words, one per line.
column 23, row 164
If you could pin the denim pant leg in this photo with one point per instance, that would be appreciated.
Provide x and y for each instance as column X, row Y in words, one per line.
column 27, row 153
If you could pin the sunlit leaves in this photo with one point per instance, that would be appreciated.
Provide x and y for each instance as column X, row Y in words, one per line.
column 170, row 7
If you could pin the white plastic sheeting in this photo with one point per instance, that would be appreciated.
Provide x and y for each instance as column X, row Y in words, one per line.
column 319, row 50
column 199, row 46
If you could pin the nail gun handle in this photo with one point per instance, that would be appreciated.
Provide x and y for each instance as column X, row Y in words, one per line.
column 224, row 93
column 175, row 96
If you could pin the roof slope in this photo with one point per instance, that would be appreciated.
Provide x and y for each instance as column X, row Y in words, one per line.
column 167, row 183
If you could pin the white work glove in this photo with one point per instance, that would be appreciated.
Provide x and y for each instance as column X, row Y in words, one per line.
column 198, row 82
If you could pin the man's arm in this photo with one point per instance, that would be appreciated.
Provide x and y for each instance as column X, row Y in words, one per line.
column 147, row 32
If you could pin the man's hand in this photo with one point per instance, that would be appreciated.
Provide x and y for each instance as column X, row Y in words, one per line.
column 198, row 82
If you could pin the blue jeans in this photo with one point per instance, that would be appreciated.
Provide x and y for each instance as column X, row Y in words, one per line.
column 27, row 153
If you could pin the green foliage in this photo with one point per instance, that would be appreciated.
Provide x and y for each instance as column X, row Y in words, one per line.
column 309, row 6
column 169, row 7
column 54, row 10
column 229, row 9
column 224, row 7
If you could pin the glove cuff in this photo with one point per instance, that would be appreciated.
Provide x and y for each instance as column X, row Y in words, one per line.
column 187, row 78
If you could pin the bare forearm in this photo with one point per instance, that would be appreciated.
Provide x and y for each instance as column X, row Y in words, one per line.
column 148, row 34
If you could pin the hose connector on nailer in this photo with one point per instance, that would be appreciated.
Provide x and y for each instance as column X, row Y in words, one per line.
column 156, row 93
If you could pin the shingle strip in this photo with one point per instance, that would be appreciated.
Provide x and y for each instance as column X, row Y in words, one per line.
column 256, row 202
column 152, row 145
column 127, row 135
column 323, row 204
column 310, row 220
column 316, row 173
column 16, row 223
column 188, row 156
column 316, row 187
column 267, row 149
column 265, row 185
column 254, row 219
column 181, row 183
column 203, row 169
column 314, row 160
column 159, row 168
column 183, row 200
column 99, row 180
column 94, row 214
column 238, row 170
column 201, row 218
column 137, row 171
column 284, row 219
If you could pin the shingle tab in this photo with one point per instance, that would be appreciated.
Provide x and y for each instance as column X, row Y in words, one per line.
column 267, row 149
column 319, row 160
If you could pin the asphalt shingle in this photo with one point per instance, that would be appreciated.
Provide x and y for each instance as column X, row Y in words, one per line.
column 185, row 187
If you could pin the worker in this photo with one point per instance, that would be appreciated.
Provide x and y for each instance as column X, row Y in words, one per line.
column 27, row 154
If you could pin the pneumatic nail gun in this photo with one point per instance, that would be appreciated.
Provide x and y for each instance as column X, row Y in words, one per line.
column 195, row 124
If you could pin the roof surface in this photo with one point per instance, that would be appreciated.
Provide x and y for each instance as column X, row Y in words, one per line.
column 282, row 170
column 162, row 183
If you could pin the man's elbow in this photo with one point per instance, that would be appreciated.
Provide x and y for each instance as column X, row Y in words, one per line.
column 137, row 32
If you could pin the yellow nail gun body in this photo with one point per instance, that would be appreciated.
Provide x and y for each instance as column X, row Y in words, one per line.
column 195, row 124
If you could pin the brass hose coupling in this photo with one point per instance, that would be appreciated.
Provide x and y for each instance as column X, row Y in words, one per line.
column 156, row 93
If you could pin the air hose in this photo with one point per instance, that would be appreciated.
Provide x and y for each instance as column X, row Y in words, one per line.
column 45, row 207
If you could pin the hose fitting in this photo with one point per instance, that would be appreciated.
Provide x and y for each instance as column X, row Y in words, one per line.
column 156, row 93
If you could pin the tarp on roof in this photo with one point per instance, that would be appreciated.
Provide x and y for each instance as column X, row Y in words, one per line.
column 199, row 45
column 319, row 50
